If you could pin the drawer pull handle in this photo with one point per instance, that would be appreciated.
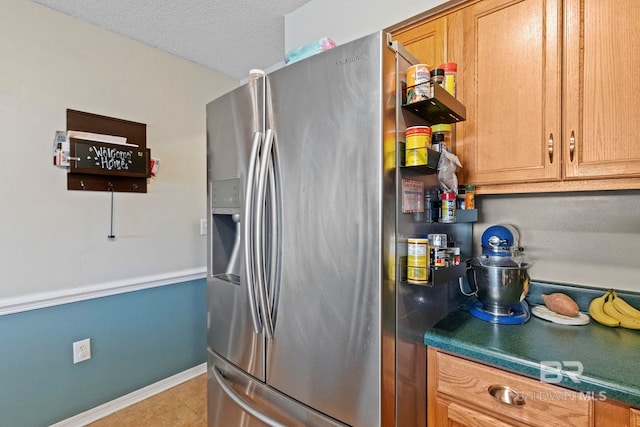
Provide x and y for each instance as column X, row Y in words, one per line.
column 506, row 395
column 550, row 147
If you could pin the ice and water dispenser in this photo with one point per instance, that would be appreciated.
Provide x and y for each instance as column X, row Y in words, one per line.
column 224, row 231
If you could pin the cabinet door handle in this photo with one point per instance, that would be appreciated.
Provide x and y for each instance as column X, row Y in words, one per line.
column 572, row 145
column 550, row 147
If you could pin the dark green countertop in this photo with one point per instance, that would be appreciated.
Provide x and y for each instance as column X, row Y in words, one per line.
column 610, row 357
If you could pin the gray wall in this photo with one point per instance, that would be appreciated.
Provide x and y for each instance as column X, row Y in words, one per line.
column 54, row 240
column 585, row 238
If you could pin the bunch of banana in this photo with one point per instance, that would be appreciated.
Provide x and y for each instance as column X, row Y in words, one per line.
column 612, row 310
column 596, row 310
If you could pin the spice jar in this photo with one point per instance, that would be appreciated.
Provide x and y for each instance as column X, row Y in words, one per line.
column 448, row 211
column 432, row 204
column 441, row 137
column 470, row 196
column 437, row 77
column 437, row 240
column 450, row 72
column 461, row 197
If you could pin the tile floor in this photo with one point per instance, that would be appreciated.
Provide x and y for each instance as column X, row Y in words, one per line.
column 184, row 405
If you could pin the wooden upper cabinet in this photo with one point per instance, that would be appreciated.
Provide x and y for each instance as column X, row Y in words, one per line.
column 511, row 73
column 602, row 89
column 426, row 41
column 552, row 93
column 550, row 87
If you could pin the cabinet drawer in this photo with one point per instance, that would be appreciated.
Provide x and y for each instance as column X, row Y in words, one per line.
column 466, row 417
column 544, row 404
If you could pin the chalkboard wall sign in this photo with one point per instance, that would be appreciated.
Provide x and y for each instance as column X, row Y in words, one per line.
column 101, row 166
column 108, row 159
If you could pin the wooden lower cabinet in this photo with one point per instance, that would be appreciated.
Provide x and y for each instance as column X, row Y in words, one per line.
column 458, row 396
column 634, row 417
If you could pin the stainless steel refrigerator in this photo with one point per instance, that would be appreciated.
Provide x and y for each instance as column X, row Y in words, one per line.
column 309, row 320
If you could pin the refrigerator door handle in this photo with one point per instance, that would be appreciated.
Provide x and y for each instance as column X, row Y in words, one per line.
column 249, row 231
column 274, row 250
column 265, row 160
column 217, row 374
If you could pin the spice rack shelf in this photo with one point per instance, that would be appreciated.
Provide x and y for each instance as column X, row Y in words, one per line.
column 439, row 107
column 433, row 158
column 441, row 275
column 462, row 216
column 466, row 215
column 442, row 107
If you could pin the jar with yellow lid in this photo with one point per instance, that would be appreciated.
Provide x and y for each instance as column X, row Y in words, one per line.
column 441, row 137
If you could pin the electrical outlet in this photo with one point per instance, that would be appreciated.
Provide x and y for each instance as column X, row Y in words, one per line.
column 203, row 227
column 81, row 350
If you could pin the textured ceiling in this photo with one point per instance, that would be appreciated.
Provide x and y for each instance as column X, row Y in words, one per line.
column 229, row 36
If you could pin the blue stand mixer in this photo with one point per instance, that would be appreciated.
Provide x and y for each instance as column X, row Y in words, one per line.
column 500, row 277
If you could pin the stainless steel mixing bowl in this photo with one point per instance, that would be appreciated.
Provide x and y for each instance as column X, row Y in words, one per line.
column 501, row 282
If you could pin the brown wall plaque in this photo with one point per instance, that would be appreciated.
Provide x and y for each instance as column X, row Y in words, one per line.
column 107, row 170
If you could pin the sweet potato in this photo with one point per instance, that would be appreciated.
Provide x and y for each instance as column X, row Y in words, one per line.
column 561, row 304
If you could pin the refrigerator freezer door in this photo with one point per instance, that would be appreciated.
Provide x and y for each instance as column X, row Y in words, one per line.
column 236, row 399
column 235, row 125
column 326, row 112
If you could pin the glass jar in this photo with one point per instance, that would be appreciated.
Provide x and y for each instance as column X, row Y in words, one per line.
column 441, row 137
column 432, row 204
column 461, row 197
column 437, row 77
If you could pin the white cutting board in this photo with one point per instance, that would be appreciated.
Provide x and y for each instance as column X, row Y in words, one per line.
column 544, row 313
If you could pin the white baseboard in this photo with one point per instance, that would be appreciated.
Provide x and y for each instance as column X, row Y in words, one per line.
column 127, row 400
column 66, row 296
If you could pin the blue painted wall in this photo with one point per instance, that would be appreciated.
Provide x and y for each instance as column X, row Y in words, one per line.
column 137, row 339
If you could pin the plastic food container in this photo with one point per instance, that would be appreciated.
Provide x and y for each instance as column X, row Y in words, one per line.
column 417, row 139
column 450, row 73
column 470, row 196
column 448, row 209
column 418, row 260
column 418, row 83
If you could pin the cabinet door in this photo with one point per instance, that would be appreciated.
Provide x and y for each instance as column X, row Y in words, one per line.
column 601, row 88
column 426, row 41
column 512, row 91
column 634, row 417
